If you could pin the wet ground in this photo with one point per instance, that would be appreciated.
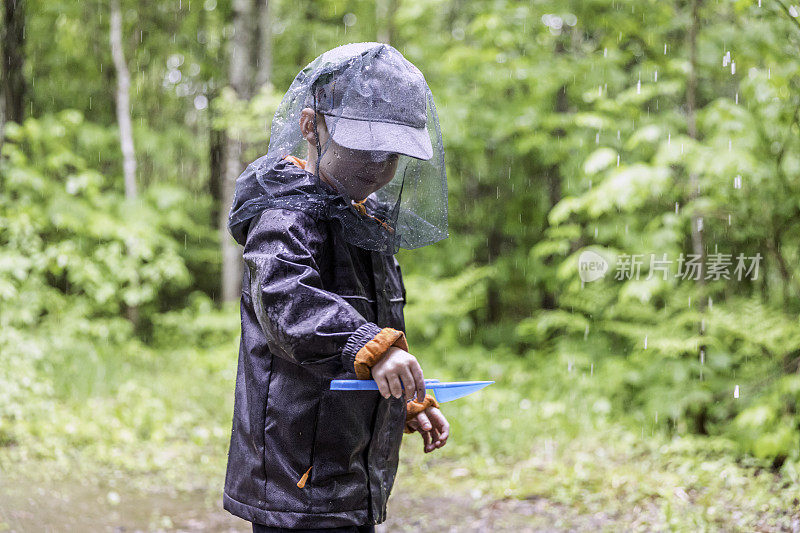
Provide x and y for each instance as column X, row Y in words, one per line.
column 75, row 507
column 88, row 505
column 93, row 504
column 81, row 498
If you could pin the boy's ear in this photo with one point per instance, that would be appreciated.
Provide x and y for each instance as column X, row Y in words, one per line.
column 307, row 125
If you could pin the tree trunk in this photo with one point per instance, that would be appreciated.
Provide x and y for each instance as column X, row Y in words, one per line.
column 216, row 160
column 124, row 119
column 384, row 15
column 13, row 55
column 697, row 237
column 239, row 80
column 691, row 91
column 123, row 101
column 262, row 50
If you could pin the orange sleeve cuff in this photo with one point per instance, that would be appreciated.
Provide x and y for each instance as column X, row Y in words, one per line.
column 372, row 352
column 414, row 407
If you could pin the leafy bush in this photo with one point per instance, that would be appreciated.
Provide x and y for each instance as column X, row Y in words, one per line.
column 77, row 259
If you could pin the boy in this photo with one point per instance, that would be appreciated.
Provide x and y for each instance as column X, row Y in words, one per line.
column 323, row 296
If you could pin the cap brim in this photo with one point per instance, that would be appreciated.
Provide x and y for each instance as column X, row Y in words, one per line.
column 381, row 136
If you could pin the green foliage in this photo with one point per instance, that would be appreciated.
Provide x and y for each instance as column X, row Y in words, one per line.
column 441, row 311
column 65, row 229
column 704, row 358
column 77, row 258
column 246, row 119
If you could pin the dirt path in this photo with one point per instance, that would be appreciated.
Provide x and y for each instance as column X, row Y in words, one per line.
column 116, row 502
column 458, row 514
column 79, row 505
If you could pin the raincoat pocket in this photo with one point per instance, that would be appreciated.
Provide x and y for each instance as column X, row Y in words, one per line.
column 292, row 414
column 341, row 441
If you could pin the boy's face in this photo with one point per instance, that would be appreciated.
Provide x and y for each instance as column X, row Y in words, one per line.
column 360, row 172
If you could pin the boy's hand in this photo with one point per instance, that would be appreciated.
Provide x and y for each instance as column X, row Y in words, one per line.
column 397, row 367
column 433, row 426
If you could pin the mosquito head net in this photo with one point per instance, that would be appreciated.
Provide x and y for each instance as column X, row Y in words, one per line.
column 363, row 119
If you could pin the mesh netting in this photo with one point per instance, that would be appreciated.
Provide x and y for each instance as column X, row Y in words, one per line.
column 362, row 120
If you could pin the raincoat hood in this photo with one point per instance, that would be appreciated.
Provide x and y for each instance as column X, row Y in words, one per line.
column 284, row 184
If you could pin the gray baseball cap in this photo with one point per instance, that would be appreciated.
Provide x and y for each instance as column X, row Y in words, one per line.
column 379, row 105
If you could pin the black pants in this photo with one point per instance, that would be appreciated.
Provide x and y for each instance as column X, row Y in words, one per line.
column 258, row 528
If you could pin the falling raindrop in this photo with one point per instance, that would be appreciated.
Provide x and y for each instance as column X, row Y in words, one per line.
column 669, row 139
column 586, row 333
column 597, row 138
column 729, row 219
column 639, row 87
column 591, row 369
column 699, row 223
column 605, row 52
column 702, row 356
column 710, row 303
column 737, row 98
column 736, row 391
column 645, row 342
column 200, row 102
column 737, row 182
column 676, row 208
column 733, row 67
column 655, row 76
column 617, row 159
column 730, row 145
column 349, row 19
column 174, row 61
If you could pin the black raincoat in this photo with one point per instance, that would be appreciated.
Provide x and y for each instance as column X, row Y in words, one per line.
column 309, row 302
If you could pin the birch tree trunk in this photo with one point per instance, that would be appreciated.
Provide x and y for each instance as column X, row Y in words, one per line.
column 124, row 121
column 123, row 101
column 238, row 78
